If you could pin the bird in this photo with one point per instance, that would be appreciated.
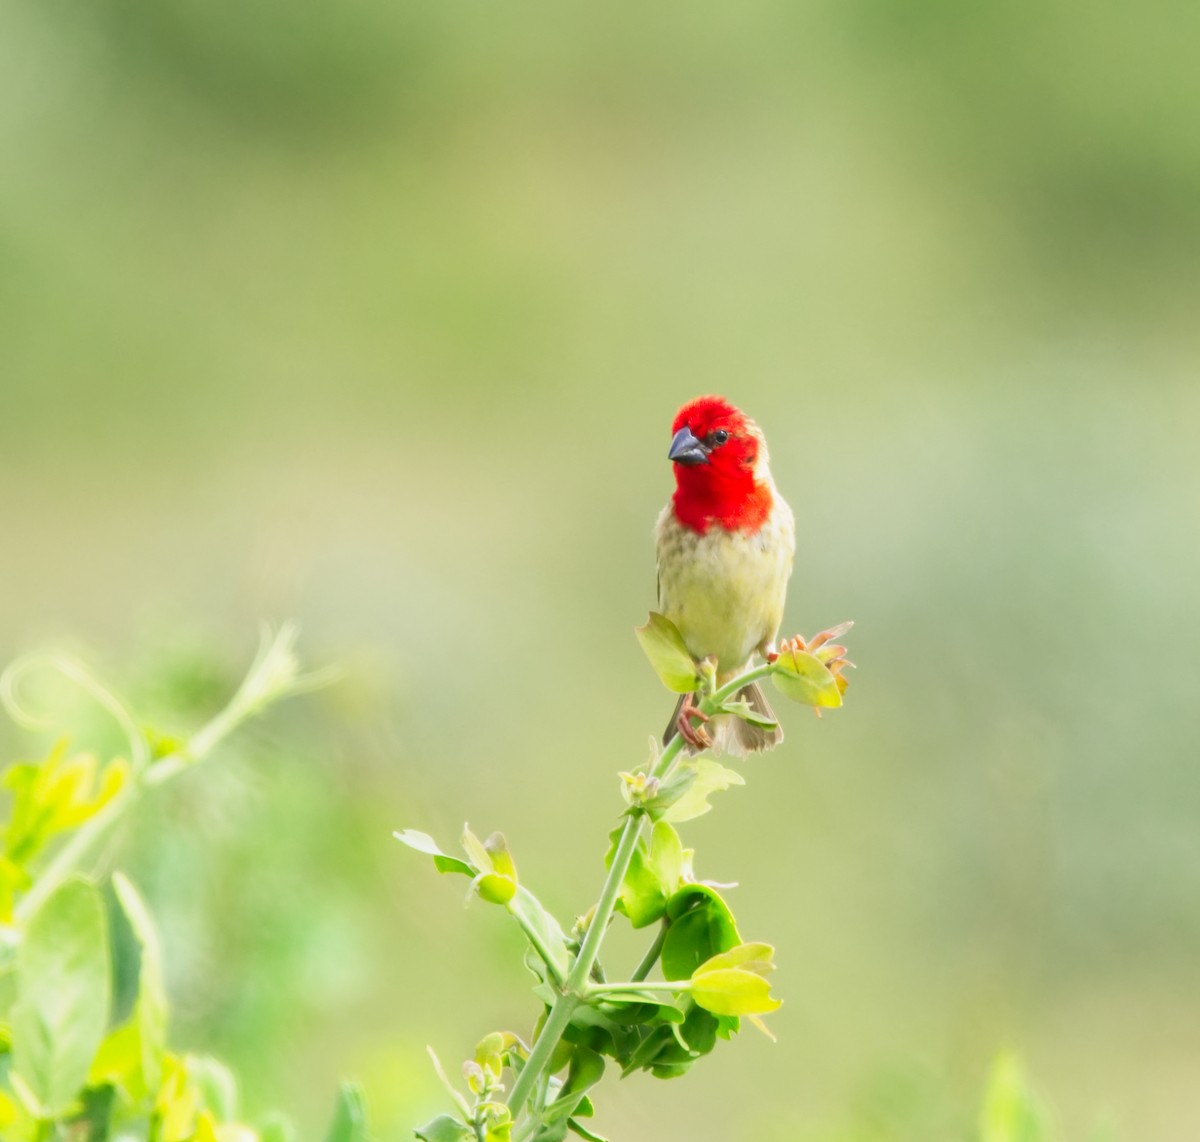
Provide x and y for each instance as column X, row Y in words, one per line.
column 726, row 542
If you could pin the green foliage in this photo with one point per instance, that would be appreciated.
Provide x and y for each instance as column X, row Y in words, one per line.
column 63, row 999
column 734, row 982
column 71, row 1070
column 68, row 1071
column 1011, row 1110
column 664, row 647
column 50, row 797
column 349, row 1116
column 709, row 980
column 804, row 678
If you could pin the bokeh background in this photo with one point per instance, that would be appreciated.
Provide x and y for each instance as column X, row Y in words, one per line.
column 375, row 316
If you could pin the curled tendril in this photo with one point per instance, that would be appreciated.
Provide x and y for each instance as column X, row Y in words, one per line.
column 75, row 672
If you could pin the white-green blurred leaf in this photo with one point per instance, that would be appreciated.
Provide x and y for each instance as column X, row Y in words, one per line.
column 424, row 843
column 63, row 994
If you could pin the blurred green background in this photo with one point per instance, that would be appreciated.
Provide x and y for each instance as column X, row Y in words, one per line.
column 376, row 315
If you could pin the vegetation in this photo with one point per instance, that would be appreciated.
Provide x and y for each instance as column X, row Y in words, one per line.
column 83, row 1064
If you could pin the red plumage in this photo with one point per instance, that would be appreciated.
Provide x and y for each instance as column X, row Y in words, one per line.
column 724, row 491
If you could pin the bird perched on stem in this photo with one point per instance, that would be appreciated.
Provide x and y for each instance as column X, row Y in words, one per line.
column 726, row 542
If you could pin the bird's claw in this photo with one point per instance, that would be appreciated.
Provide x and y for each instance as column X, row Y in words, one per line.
column 695, row 736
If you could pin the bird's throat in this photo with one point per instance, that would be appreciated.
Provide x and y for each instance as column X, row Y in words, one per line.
column 736, row 503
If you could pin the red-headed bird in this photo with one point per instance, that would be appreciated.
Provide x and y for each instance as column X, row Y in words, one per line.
column 726, row 542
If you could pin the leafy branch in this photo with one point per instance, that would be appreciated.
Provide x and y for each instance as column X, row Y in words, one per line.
column 272, row 676
column 711, row 978
column 65, row 1071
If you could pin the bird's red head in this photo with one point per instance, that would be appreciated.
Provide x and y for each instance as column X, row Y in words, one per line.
column 720, row 467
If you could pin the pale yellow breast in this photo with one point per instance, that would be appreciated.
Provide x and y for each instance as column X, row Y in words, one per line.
column 725, row 591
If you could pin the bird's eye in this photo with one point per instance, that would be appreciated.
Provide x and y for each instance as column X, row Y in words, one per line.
column 719, row 437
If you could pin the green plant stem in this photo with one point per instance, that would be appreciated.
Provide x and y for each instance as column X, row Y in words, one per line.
column 577, row 979
column 652, row 953
column 577, row 985
column 581, row 969
column 709, row 705
column 539, row 1057
column 602, row 989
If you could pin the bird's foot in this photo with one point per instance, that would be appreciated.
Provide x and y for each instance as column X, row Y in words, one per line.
column 695, row 736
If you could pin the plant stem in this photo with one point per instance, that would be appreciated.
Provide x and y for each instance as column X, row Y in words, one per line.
column 709, row 704
column 577, row 984
column 639, row 985
column 539, row 1058
column 652, row 953
column 581, row 969
column 577, row 979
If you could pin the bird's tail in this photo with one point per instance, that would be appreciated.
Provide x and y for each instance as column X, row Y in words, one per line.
column 732, row 735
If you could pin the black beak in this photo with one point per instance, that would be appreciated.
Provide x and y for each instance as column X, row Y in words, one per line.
column 686, row 449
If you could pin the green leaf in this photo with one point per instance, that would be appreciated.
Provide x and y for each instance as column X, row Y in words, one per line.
column 150, row 1009
column 805, row 678
column 216, row 1086
column 175, row 1103
column 118, row 1062
column 349, row 1116
column 669, row 1051
column 63, row 995
column 444, row 1128
column 740, row 708
column 585, row 1070
column 654, row 873
column 701, row 927
column 666, row 856
column 663, row 645
column 1011, row 1110
column 533, row 917
column 711, row 777
column 423, row 843
column 583, row 1132
column 277, row 1128
column 497, row 1124
column 631, row 1007
column 755, row 957
column 682, row 777
column 95, row 1121
column 733, row 991
column 643, row 898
